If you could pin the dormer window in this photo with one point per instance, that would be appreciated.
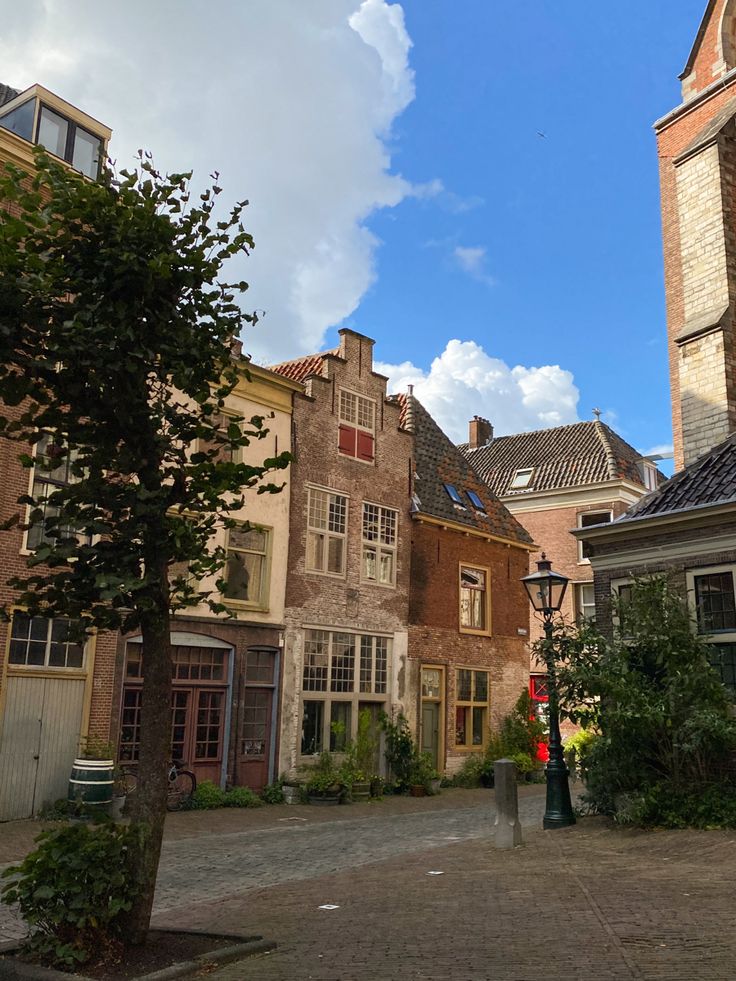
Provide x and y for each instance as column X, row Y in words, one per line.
column 522, row 479
column 476, row 501
column 357, row 425
column 454, row 494
column 45, row 123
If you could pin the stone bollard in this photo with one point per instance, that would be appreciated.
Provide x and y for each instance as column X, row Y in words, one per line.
column 508, row 828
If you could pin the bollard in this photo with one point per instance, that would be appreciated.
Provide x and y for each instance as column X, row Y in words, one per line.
column 508, row 829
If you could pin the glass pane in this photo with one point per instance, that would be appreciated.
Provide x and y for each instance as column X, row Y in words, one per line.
column 430, row 683
column 317, row 517
column 315, row 551
column 52, row 132
column 387, row 568
column 369, row 563
column 464, row 689
column 252, row 539
column 334, row 554
column 714, row 595
column 340, row 715
column 461, row 725
column 20, row 120
column 315, row 660
column 255, row 723
column 259, row 666
column 86, row 152
column 343, row 663
column 388, row 526
column 481, row 686
column 312, row 720
column 381, row 665
column 479, row 715
column 370, row 522
column 366, row 664
column 337, row 514
column 348, row 406
column 243, row 576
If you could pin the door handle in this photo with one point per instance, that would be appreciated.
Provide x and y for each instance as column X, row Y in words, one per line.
column 36, row 756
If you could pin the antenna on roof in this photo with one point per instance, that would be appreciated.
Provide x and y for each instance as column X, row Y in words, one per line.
column 597, row 414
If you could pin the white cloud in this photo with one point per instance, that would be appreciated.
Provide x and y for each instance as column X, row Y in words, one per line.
column 661, row 449
column 465, row 381
column 473, row 261
column 292, row 101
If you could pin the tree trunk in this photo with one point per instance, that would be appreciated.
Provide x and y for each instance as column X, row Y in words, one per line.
column 149, row 803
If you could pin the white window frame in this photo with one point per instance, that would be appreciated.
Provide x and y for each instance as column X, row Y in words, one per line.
column 26, row 548
column 326, row 533
column 719, row 636
column 379, row 547
column 262, row 603
column 65, row 669
column 345, row 420
column 581, row 515
column 522, row 478
column 580, row 605
column 353, row 697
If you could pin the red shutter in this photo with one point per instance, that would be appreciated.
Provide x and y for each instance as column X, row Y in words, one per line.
column 365, row 446
column 346, row 440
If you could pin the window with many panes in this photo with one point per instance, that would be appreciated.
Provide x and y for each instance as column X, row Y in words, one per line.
column 585, row 602
column 246, row 569
column 357, row 426
column 474, row 614
column 713, row 595
column 471, row 708
column 341, row 670
column 40, row 642
column 327, row 517
column 52, row 471
column 379, row 544
column 586, row 520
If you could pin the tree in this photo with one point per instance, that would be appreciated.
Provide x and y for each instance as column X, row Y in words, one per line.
column 663, row 720
column 115, row 335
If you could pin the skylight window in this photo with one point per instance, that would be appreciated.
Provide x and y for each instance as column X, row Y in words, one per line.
column 476, row 501
column 522, row 479
column 453, row 493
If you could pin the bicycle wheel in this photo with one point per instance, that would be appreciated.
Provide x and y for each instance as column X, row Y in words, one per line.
column 127, row 783
column 181, row 787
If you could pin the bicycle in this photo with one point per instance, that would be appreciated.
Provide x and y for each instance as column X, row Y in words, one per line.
column 182, row 784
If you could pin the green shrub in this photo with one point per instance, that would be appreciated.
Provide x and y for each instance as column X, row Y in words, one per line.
column 663, row 807
column 63, row 810
column 400, row 750
column 206, row 797
column 324, row 775
column 469, row 774
column 72, row 891
column 242, row 797
column 273, row 793
column 524, row 763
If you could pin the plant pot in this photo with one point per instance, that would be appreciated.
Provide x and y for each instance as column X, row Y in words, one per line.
column 117, row 804
column 324, row 800
column 434, row 786
column 418, row 790
column 377, row 787
column 361, row 790
column 292, row 793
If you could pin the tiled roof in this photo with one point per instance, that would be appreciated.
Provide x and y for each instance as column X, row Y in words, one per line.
column 7, row 93
column 566, row 456
column 300, row 368
column 711, row 479
column 438, row 462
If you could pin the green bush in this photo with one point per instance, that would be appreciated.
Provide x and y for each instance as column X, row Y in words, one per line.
column 470, row 773
column 206, row 797
column 72, row 891
column 400, row 750
column 524, row 763
column 242, row 797
column 273, row 793
column 324, row 775
column 663, row 807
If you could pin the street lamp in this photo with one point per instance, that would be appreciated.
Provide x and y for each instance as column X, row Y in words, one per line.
column 546, row 590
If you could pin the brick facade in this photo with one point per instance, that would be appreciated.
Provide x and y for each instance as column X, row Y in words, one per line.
column 344, row 603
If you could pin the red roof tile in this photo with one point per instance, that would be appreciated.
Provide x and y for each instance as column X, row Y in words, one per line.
column 300, row 368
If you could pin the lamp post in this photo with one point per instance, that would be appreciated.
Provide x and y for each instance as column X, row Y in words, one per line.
column 546, row 590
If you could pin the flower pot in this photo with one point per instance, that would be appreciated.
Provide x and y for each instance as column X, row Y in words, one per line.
column 324, row 800
column 292, row 793
column 434, row 786
column 361, row 790
column 418, row 790
column 117, row 805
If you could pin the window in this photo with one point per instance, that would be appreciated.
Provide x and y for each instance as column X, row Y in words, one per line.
column 379, row 544
column 586, row 520
column 454, row 494
column 714, row 602
column 341, row 671
column 476, row 501
column 473, row 600
column 246, row 568
column 357, row 422
column 648, row 474
column 521, row 479
column 20, row 120
column 40, row 642
column 471, row 708
column 73, row 143
column 585, row 602
column 52, row 471
column 326, row 532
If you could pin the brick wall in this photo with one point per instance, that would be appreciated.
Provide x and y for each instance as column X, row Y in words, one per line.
column 344, row 602
column 434, row 634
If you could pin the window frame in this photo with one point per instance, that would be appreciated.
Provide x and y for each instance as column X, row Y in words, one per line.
column 345, row 426
column 717, row 637
column 515, row 482
column 455, row 496
column 379, row 547
column 476, row 502
column 578, row 590
column 472, row 703
column 343, row 536
column 262, row 603
column 354, row 698
column 487, row 629
column 26, row 548
column 77, row 671
column 579, row 524
column 71, row 132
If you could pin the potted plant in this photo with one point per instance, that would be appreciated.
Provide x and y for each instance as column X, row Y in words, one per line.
column 422, row 774
column 91, row 779
column 324, row 784
column 292, row 790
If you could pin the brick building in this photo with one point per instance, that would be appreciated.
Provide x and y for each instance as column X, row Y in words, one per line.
column 468, row 611
column 697, row 156
column 345, row 646
column 52, row 693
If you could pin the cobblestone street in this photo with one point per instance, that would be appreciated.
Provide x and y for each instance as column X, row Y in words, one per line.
column 589, row 902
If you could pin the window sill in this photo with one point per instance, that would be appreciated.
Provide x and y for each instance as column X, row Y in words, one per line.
column 349, row 456
column 327, row 575
column 474, row 633
column 468, row 749
column 246, row 605
column 381, row 585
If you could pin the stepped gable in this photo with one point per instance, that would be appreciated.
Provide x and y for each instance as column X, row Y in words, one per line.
column 298, row 369
column 437, row 461
column 565, row 456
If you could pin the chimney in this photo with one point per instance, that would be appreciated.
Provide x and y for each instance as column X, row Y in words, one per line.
column 480, row 432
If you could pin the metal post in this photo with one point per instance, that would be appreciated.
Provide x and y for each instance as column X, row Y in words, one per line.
column 558, row 813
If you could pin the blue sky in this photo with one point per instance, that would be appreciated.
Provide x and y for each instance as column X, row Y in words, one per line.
column 399, row 184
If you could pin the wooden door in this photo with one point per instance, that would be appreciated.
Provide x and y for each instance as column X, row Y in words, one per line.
column 432, row 725
column 256, row 741
column 431, row 731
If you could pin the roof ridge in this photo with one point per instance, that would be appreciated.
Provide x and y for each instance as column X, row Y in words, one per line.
column 600, row 429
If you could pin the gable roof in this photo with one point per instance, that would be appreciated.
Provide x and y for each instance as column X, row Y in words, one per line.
column 710, row 480
column 437, row 461
column 566, row 456
column 300, row 368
